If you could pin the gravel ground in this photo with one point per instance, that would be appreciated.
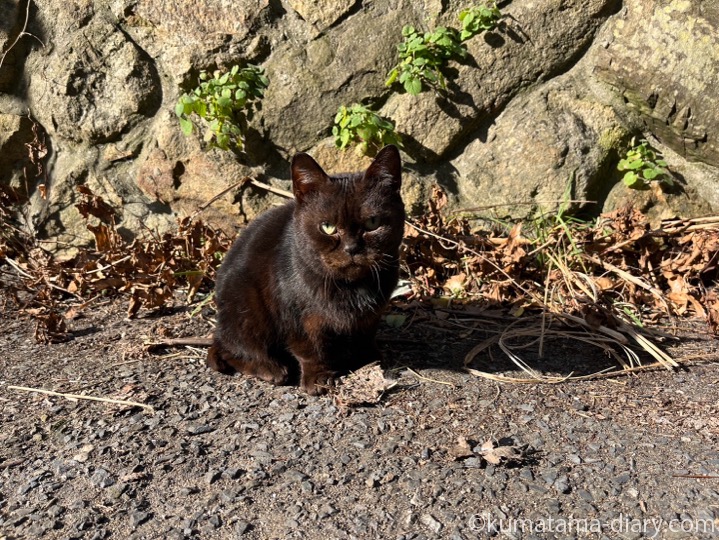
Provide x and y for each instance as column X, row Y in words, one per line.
column 229, row 457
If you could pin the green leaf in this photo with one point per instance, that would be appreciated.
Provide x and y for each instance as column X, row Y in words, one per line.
column 632, row 180
column 186, row 126
column 345, row 137
column 366, row 133
column 180, row 108
column 650, row 174
column 223, row 141
column 392, row 77
column 662, row 163
column 413, row 86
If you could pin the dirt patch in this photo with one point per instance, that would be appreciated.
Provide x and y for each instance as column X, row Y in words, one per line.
column 229, row 457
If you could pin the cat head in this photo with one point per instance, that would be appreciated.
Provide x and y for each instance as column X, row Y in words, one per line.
column 352, row 224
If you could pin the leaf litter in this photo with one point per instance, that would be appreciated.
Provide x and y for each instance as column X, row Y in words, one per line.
column 491, row 452
column 609, row 283
column 365, row 386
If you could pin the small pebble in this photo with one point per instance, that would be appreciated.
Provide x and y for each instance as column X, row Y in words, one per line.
column 138, row 517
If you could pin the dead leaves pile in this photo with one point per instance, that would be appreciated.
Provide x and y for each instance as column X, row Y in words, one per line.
column 146, row 270
column 610, row 271
column 365, row 386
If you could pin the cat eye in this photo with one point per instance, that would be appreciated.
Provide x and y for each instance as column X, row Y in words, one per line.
column 372, row 223
column 328, row 228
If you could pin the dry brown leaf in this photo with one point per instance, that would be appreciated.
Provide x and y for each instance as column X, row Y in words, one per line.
column 365, row 386
column 93, row 205
column 498, row 455
column 461, row 450
column 455, row 284
column 50, row 326
column 604, row 283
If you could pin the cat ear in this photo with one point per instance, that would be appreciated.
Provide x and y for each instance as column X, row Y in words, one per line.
column 307, row 176
column 387, row 166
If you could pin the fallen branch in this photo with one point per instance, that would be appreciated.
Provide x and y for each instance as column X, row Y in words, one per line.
column 245, row 180
column 272, row 189
column 181, row 342
column 149, row 408
column 204, row 206
column 413, row 372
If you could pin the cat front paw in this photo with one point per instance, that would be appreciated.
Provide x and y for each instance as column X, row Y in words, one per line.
column 215, row 360
column 272, row 373
column 318, row 384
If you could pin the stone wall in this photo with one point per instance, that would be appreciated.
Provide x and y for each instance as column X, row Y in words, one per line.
column 538, row 113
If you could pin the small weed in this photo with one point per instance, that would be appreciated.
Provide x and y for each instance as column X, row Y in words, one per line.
column 225, row 101
column 358, row 125
column 643, row 165
column 423, row 56
column 478, row 19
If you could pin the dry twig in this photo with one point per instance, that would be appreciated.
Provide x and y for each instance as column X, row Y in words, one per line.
column 148, row 408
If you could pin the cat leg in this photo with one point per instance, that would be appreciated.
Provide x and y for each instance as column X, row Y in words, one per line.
column 361, row 349
column 267, row 369
column 316, row 376
column 363, row 353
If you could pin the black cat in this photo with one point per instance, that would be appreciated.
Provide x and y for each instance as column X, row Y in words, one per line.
column 305, row 284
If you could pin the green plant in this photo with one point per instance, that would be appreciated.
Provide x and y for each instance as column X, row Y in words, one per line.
column 226, row 102
column 423, row 56
column 357, row 124
column 643, row 164
column 477, row 19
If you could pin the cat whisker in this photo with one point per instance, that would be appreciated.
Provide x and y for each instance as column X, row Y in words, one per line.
column 375, row 268
column 386, row 261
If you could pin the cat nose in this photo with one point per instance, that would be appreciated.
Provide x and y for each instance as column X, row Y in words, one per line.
column 352, row 248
